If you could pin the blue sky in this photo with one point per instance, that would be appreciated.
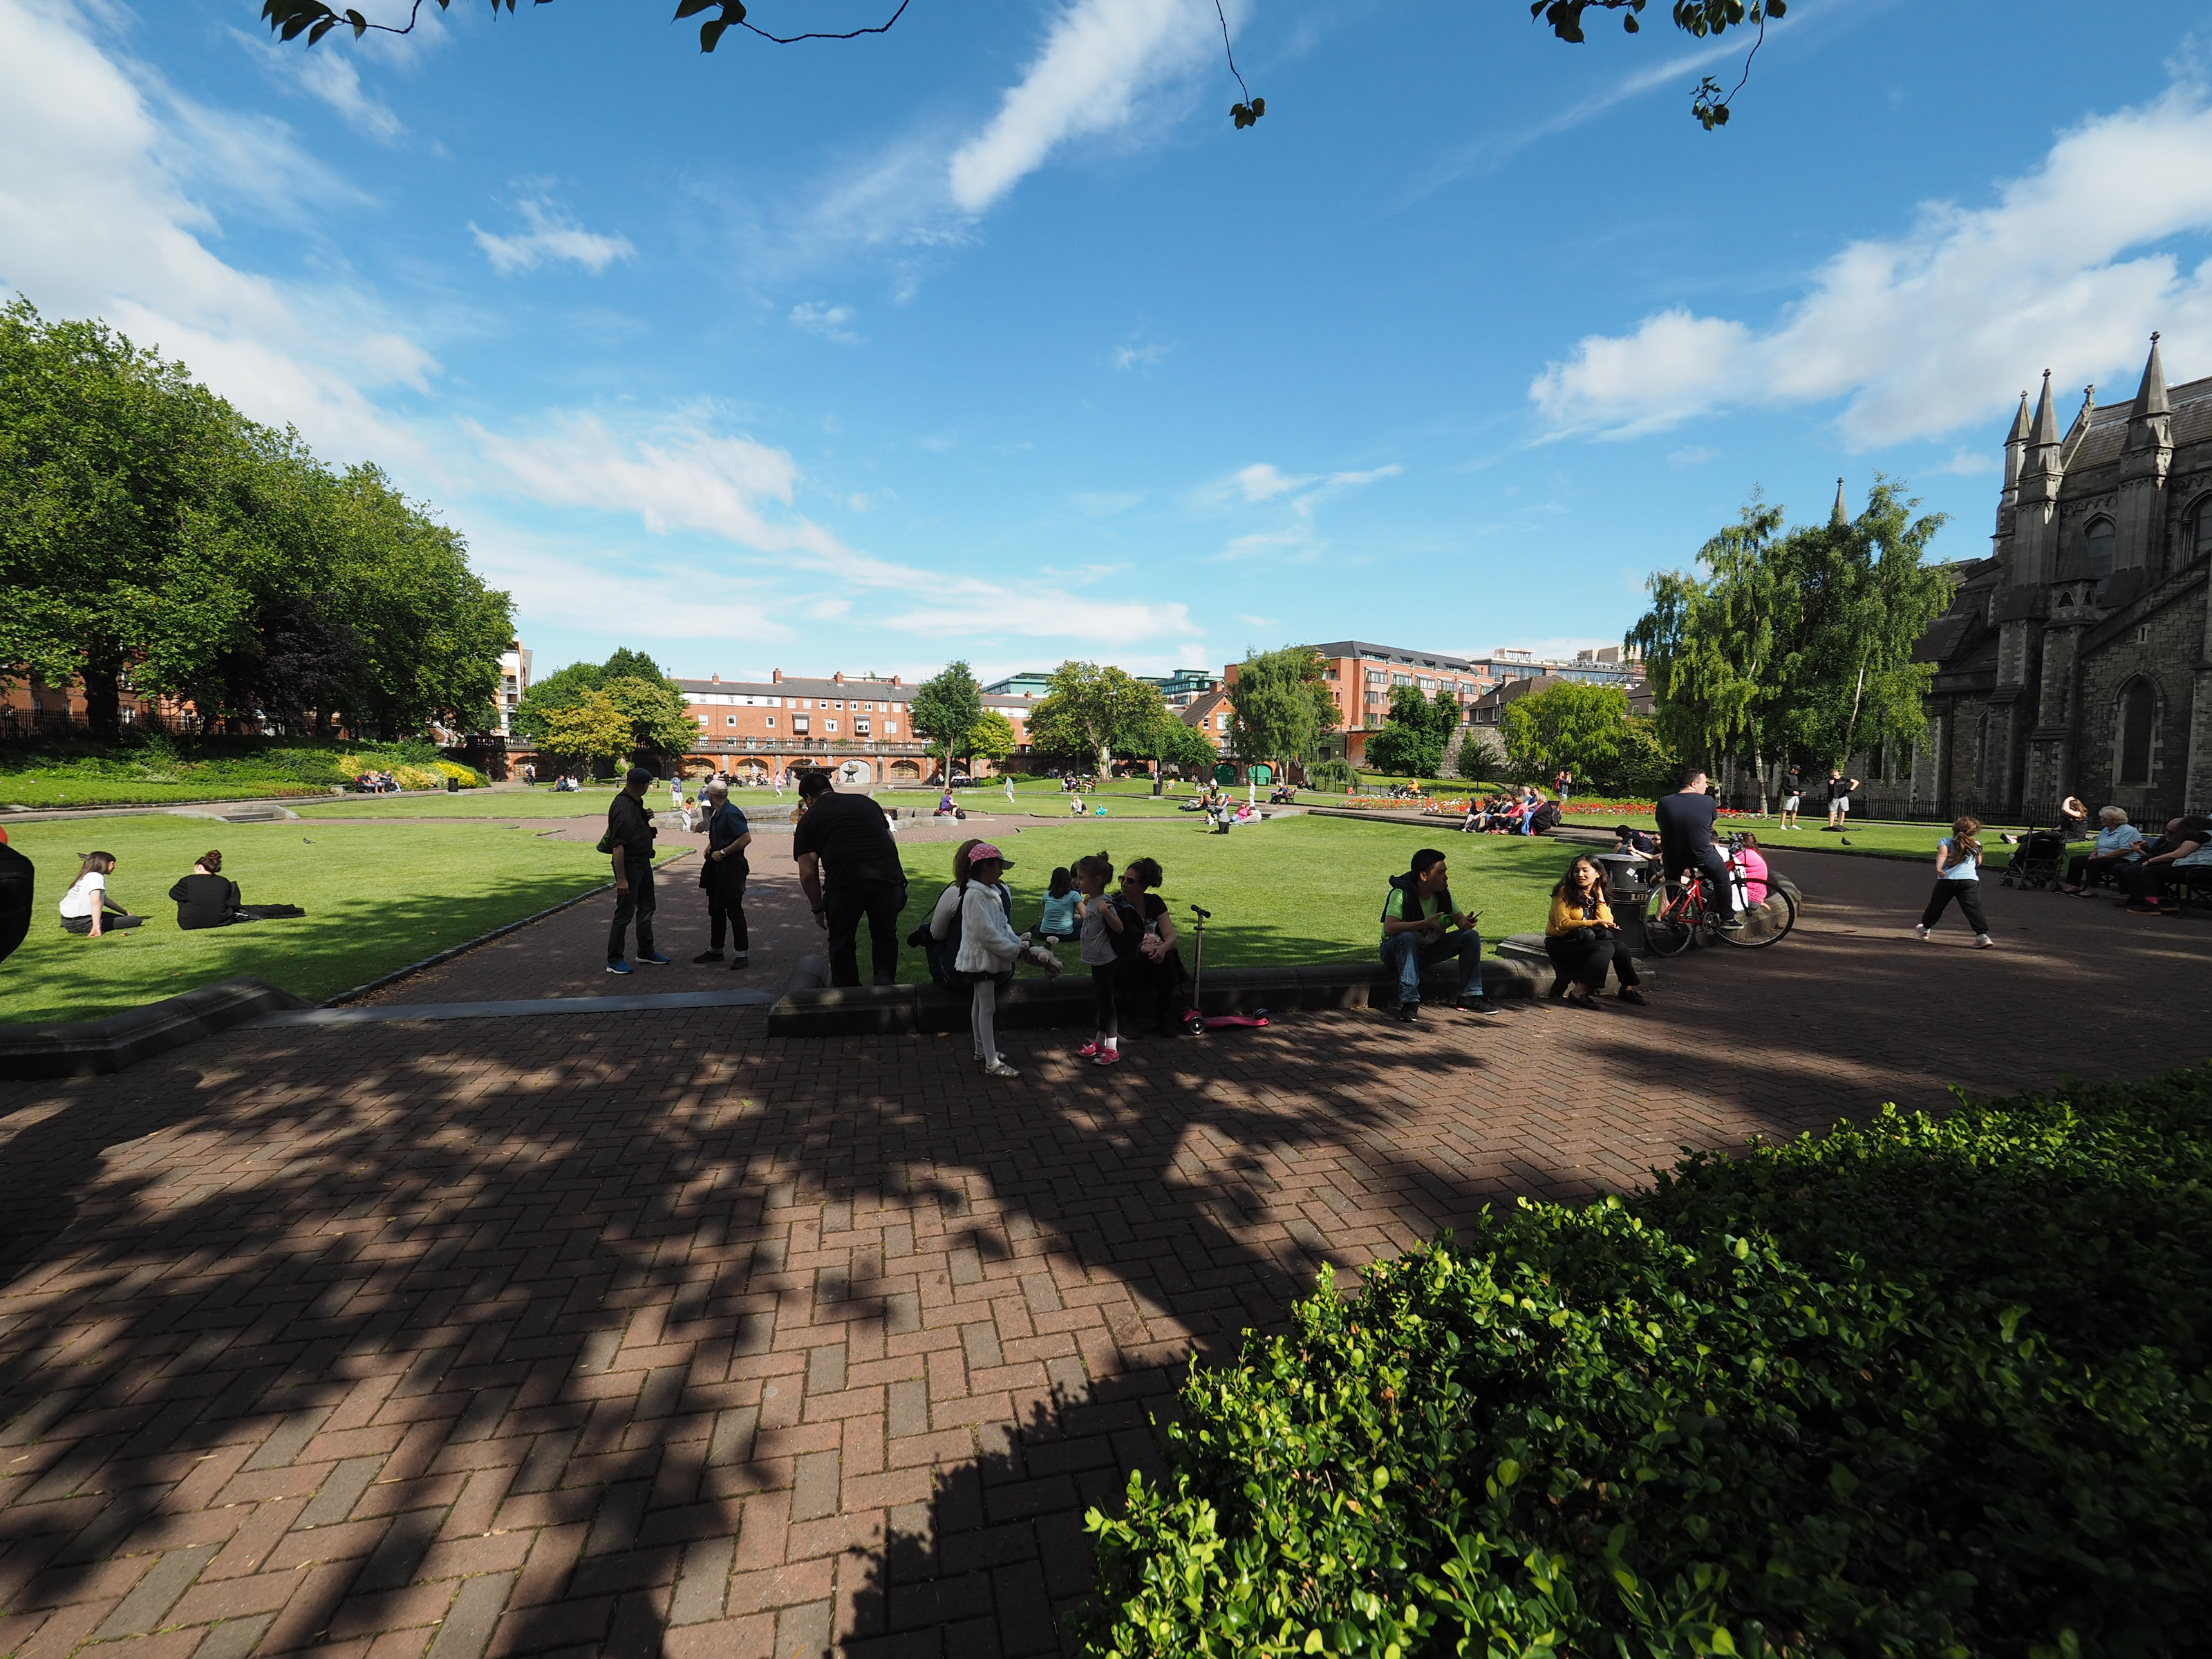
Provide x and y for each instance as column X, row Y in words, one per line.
column 991, row 338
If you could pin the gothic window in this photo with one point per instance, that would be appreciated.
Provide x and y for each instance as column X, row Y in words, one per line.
column 2099, row 537
column 2138, row 713
column 2200, row 530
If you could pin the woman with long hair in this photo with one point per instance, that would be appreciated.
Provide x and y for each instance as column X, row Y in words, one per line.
column 1151, row 973
column 1959, row 875
column 86, row 908
column 1583, row 941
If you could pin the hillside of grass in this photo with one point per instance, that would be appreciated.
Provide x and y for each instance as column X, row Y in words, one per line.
column 159, row 771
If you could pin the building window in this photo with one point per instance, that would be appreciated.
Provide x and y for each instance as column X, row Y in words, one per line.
column 2098, row 539
column 890, row 728
column 2200, row 531
column 771, row 722
column 729, row 720
column 830, row 726
column 2138, row 717
column 861, row 728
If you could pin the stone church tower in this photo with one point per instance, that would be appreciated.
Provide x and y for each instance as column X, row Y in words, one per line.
column 2077, row 657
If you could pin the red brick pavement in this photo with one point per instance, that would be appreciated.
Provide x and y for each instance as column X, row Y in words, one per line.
column 634, row 1334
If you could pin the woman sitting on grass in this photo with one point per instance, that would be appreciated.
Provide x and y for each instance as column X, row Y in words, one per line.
column 86, row 908
column 1583, row 941
column 1063, row 908
column 206, row 898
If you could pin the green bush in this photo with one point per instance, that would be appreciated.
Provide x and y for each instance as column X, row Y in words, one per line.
column 1924, row 1387
column 1331, row 774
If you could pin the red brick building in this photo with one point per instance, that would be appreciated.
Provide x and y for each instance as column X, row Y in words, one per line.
column 859, row 726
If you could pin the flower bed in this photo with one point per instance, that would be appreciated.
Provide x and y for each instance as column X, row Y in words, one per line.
column 1936, row 1387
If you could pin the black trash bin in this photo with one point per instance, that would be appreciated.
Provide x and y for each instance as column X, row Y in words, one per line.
column 1625, row 891
column 453, row 785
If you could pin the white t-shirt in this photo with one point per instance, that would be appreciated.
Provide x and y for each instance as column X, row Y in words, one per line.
column 83, row 896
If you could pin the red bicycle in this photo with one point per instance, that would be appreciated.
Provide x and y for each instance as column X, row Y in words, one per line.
column 1682, row 913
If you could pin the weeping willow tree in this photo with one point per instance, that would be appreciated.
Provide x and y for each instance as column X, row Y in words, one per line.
column 1795, row 642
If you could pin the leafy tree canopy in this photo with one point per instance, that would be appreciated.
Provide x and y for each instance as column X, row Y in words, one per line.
column 590, row 728
column 1166, row 740
column 946, row 709
column 655, row 709
column 1414, row 733
column 147, row 529
column 1089, row 712
column 293, row 20
column 1797, row 642
column 1280, row 706
column 991, row 738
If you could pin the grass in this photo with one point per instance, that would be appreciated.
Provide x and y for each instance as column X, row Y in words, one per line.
column 154, row 770
column 1296, row 890
column 64, row 788
column 510, row 805
column 378, row 896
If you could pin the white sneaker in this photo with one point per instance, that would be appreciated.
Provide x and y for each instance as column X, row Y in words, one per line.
column 995, row 1067
column 1983, row 942
column 1921, row 930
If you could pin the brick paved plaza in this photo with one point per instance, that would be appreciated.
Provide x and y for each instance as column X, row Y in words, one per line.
column 645, row 1333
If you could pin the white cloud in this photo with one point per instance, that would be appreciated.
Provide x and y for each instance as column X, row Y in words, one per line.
column 830, row 322
column 327, row 75
column 1147, row 356
column 551, row 234
column 1939, row 328
column 1097, row 61
column 105, row 211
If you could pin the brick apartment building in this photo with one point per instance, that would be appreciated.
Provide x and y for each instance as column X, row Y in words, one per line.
column 857, row 726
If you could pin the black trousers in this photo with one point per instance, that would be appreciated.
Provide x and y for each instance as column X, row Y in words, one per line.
column 113, row 921
column 845, row 904
column 1969, row 894
column 1106, row 1016
column 639, row 901
column 2143, row 881
column 2087, row 869
column 725, row 911
column 1584, row 955
column 1719, row 885
column 1151, row 991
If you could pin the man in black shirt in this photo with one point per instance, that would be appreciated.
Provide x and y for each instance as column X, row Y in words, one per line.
column 1793, row 795
column 1686, row 840
column 844, row 844
column 1839, row 798
column 629, row 839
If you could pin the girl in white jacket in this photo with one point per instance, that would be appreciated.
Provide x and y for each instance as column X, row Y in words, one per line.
column 989, row 947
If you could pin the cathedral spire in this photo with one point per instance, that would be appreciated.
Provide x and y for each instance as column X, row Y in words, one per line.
column 2043, row 436
column 1841, row 515
column 2015, row 448
column 2150, row 395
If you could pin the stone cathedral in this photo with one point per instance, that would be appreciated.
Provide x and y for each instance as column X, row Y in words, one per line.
column 2077, row 657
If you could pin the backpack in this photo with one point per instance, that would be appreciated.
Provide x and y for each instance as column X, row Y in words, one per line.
column 942, row 953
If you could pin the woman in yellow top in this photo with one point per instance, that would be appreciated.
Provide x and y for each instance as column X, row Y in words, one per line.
column 1581, row 939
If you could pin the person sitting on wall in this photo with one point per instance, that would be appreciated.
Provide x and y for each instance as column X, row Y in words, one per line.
column 1583, row 941
column 206, row 898
column 1419, row 924
column 2119, row 843
column 1633, row 842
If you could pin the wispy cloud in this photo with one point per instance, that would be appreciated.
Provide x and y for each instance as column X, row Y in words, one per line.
column 1146, row 356
column 1928, row 331
column 830, row 322
column 549, row 233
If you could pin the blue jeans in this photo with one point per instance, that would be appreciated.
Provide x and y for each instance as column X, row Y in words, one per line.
column 1407, row 954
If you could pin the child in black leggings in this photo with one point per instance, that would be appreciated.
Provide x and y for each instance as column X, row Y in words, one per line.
column 1104, row 943
column 1959, row 875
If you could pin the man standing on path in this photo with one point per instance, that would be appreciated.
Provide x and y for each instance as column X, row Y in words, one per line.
column 843, row 842
column 1793, row 796
column 722, row 873
column 1686, row 840
column 1839, row 798
column 1010, row 790
column 629, row 837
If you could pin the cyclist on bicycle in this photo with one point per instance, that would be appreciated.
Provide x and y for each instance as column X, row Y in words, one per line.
column 1686, row 840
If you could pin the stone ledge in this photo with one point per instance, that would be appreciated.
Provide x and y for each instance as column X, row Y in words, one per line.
column 1041, row 1004
column 68, row 1049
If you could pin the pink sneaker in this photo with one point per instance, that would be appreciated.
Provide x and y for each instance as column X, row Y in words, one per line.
column 1088, row 1049
column 1106, row 1057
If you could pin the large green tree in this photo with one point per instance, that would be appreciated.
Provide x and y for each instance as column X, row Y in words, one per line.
column 1414, row 733
column 147, row 530
column 660, row 721
column 945, row 711
column 991, row 738
column 1088, row 711
column 590, row 728
column 1166, row 740
column 1797, row 642
column 1280, row 706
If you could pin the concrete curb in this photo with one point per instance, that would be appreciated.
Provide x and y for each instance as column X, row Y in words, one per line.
column 1043, row 1003
column 94, row 1047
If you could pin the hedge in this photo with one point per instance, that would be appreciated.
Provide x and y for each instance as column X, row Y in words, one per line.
column 1924, row 1386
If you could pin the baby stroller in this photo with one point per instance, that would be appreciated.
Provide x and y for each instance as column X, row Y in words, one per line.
column 2038, row 862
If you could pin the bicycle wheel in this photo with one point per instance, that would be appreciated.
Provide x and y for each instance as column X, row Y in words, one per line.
column 1742, row 937
column 1668, row 929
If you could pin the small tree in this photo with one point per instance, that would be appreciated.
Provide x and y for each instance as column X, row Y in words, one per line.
column 1480, row 756
column 1166, row 741
column 1091, row 711
column 1280, row 706
column 991, row 738
column 945, row 711
column 656, row 712
column 1583, row 728
column 591, row 728
column 1410, row 745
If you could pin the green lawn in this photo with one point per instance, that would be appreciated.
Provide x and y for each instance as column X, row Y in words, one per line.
column 378, row 896
column 508, row 804
column 1295, row 890
column 63, row 789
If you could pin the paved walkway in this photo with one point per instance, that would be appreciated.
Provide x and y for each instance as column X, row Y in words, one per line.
column 634, row 1334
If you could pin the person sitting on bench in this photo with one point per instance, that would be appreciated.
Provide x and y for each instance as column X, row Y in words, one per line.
column 86, row 908
column 206, row 898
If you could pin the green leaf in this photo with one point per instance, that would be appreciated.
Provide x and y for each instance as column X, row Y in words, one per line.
column 693, row 8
